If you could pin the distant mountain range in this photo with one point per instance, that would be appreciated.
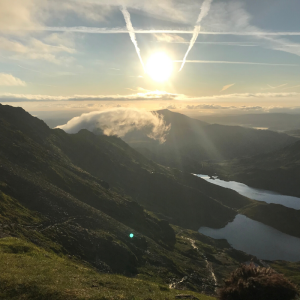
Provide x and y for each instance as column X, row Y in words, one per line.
column 271, row 121
column 191, row 142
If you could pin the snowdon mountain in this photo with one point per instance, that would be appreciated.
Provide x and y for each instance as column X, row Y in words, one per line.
column 191, row 142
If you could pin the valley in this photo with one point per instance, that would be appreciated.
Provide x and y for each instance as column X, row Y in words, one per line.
column 92, row 203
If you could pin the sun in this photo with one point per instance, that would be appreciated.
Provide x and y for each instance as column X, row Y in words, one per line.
column 159, row 67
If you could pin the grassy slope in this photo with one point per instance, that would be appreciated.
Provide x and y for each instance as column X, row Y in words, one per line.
column 290, row 270
column 156, row 265
column 28, row 272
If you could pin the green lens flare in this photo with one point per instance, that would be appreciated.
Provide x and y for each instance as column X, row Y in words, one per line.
column 131, row 235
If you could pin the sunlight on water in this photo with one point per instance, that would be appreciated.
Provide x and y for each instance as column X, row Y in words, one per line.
column 255, row 194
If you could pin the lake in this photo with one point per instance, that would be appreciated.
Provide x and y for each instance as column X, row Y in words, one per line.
column 256, row 194
column 257, row 239
column 254, row 237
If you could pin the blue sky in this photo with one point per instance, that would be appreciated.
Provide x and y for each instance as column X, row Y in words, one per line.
column 246, row 57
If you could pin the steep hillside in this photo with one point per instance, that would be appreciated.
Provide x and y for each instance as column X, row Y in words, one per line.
column 191, row 141
column 277, row 171
column 72, row 195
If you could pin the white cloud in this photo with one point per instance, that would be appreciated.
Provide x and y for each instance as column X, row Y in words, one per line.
column 10, row 80
column 232, row 16
column 19, row 15
column 35, row 49
column 120, row 121
column 226, row 87
column 236, row 63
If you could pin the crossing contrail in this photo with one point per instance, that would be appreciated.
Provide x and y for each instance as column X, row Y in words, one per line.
column 204, row 12
column 132, row 33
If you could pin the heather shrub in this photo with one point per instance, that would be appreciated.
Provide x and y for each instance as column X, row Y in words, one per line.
column 256, row 283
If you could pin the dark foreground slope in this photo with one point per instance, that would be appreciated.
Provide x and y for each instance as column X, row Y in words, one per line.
column 191, row 141
column 72, row 195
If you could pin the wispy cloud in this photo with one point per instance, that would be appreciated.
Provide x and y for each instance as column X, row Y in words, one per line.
column 235, row 63
column 204, row 12
column 271, row 87
column 34, row 49
column 10, row 80
column 234, row 44
column 231, row 16
column 226, row 87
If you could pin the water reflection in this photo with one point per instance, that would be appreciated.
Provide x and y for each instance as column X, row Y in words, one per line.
column 256, row 194
column 257, row 239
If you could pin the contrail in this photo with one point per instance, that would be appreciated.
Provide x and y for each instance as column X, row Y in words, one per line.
column 132, row 33
column 204, row 12
column 118, row 30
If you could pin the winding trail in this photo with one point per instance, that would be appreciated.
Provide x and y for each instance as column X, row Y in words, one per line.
column 208, row 266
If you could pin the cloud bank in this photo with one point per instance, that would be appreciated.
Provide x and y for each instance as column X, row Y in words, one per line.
column 120, row 121
column 145, row 96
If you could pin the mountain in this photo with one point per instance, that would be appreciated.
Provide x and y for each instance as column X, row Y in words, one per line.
column 276, row 171
column 272, row 121
column 190, row 142
column 70, row 202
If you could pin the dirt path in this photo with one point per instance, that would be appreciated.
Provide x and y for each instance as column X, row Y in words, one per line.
column 209, row 267
column 208, row 264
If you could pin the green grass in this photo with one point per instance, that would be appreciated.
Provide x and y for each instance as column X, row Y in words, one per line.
column 28, row 272
column 13, row 212
column 289, row 269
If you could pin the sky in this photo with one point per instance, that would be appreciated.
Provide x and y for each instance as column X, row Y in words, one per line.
column 73, row 56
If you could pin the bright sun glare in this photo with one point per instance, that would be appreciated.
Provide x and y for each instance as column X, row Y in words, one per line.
column 159, row 67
